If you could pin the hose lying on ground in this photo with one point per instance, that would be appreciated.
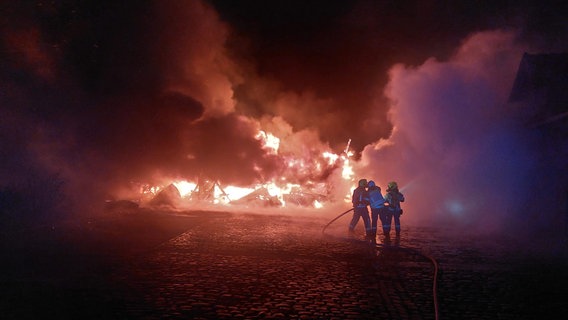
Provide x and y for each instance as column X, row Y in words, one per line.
column 332, row 221
column 416, row 251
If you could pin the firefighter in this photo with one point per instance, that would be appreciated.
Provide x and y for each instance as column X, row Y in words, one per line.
column 393, row 198
column 377, row 203
column 360, row 200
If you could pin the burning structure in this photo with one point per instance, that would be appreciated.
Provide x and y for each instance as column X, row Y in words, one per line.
column 273, row 193
column 202, row 99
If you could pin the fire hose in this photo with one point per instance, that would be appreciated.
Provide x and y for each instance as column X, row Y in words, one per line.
column 416, row 251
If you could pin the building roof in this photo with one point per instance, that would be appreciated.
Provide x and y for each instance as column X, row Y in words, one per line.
column 542, row 84
column 540, row 71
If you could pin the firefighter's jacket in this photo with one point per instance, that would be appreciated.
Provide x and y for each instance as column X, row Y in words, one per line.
column 360, row 198
column 376, row 198
column 394, row 198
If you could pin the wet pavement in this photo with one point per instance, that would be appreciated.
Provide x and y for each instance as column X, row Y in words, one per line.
column 219, row 265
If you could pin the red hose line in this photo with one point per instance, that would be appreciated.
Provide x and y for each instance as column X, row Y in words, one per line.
column 428, row 257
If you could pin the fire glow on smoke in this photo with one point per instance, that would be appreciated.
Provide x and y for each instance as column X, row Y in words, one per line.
column 277, row 192
column 230, row 112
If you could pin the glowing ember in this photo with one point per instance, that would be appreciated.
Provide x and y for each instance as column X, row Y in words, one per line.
column 347, row 172
column 236, row 193
column 185, row 188
column 150, row 190
column 317, row 204
column 331, row 157
column 270, row 142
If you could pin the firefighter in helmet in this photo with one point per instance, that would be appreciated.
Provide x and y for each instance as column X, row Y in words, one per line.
column 393, row 198
column 377, row 204
column 360, row 200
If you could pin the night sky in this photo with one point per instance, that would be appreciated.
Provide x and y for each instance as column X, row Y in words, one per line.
column 100, row 94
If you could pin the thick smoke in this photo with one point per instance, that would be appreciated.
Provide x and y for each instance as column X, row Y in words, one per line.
column 457, row 151
column 103, row 96
column 97, row 98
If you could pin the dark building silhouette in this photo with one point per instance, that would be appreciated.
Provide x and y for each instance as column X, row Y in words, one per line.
column 539, row 97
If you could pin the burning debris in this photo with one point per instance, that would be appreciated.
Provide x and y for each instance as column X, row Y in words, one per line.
column 305, row 199
column 211, row 192
column 167, row 197
column 208, row 192
column 303, row 192
column 259, row 198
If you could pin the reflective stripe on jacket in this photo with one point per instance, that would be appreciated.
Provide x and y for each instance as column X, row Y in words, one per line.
column 376, row 198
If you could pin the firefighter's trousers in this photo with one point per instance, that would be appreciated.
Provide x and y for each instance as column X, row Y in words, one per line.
column 363, row 213
column 388, row 215
column 375, row 214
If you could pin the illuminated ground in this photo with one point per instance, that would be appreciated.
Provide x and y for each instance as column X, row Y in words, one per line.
column 243, row 266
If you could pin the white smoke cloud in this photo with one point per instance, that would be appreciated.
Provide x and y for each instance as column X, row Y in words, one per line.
column 456, row 152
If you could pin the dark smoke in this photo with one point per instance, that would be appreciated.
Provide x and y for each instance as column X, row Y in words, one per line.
column 103, row 95
column 329, row 58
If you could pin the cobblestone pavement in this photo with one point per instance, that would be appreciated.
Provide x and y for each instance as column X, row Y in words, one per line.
column 260, row 267
column 249, row 266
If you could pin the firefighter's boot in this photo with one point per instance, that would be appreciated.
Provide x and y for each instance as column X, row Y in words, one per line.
column 373, row 235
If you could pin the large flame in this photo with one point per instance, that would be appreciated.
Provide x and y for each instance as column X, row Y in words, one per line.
column 278, row 191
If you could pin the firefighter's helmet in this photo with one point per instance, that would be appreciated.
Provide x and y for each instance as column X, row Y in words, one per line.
column 392, row 185
column 363, row 183
column 371, row 184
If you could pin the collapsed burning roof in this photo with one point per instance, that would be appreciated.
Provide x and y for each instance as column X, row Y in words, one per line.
column 167, row 197
column 208, row 192
column 259, row 198
column 313, row 177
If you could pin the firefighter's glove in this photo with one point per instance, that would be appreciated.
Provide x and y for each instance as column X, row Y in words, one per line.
column 401, row 212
